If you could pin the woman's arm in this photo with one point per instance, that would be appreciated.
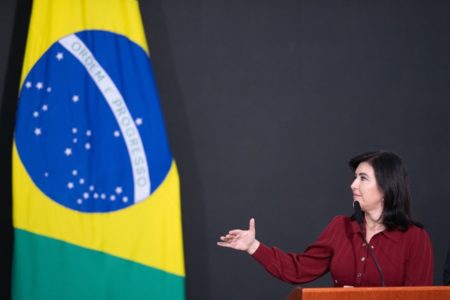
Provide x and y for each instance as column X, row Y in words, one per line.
column 302, row 267
column 289, row 267
column 420, row 263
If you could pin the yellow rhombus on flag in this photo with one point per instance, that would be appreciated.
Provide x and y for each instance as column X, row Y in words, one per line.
column 96, row 208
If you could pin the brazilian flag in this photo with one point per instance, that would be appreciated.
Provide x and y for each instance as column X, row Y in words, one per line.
column 96, row 205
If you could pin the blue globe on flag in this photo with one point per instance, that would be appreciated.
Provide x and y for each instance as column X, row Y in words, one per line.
column 90, row 131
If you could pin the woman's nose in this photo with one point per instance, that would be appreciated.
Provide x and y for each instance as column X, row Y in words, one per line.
column 354, row 184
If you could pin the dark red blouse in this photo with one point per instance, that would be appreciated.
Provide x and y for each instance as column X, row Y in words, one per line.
column 406, row 258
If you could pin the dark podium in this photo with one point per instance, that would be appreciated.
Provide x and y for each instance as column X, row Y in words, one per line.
column 375, row 293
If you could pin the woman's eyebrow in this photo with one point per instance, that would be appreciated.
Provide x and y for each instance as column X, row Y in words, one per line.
column 361, row 174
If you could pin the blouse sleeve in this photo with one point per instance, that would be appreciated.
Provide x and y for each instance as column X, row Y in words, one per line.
column 420, row 262
column 302, row 267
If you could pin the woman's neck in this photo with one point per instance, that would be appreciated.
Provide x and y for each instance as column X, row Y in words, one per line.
column 373, row 220
column 374, row 223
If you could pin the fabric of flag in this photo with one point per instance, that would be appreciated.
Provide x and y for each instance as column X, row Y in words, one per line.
column 96, row 208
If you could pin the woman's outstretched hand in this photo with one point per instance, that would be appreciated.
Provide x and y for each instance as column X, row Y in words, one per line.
column 243, row 240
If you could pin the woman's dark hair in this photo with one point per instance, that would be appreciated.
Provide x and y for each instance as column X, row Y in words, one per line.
column 392, row 179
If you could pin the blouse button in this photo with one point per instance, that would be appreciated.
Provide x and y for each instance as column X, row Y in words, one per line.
column 363, row 244
column 371, row 246
column 363, row 258
column 359, row 275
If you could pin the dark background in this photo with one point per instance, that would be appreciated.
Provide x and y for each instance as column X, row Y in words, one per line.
column 265, row 102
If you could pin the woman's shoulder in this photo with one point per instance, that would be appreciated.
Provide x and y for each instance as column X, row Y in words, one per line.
column 413, row 234
column 417, row 240
column 414, row 230
column 341, row 225
column 342, row 221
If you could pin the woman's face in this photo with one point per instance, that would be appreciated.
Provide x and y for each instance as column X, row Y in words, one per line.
column 365, row 188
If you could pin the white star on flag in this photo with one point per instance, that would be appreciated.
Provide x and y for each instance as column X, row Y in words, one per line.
column 49, row 89
column 75, row 98
column 39, row 85
column 28, row 84
column 45, row 107
column 68, row 152
column 70, row 185
column 37, row 131
column 87, row 146
column 119, row 190
column 35, row 114
column 59, row 56
column 116, row 133
column 88, row 133
column 139, row 121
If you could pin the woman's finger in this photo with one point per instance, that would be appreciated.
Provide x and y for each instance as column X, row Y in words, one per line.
column 251, row 225
column 233, row 235
column 227, row 244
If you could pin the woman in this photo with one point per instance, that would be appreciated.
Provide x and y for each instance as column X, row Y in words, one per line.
column 400, row 245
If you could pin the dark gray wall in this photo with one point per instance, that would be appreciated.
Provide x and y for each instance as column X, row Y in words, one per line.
column 265, row 101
